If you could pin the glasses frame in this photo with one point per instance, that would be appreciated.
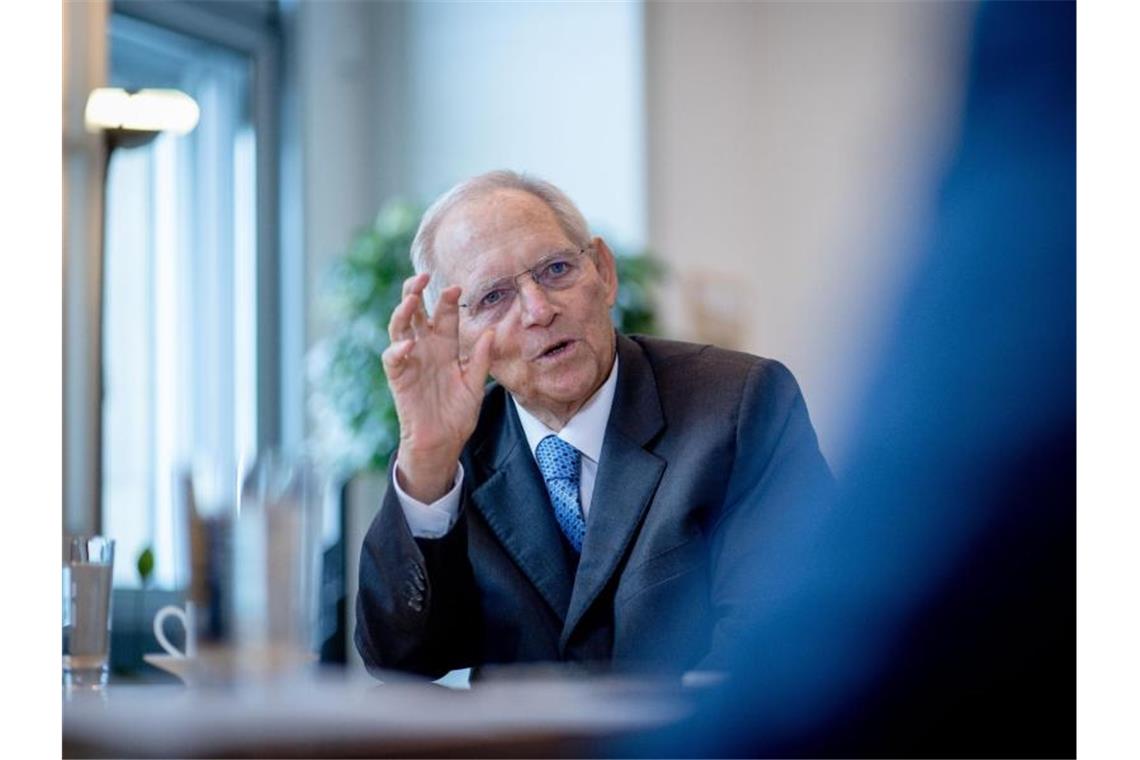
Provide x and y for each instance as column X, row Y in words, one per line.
column 534, row 271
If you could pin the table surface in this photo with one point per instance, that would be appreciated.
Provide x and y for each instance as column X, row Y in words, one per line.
column 331, row 715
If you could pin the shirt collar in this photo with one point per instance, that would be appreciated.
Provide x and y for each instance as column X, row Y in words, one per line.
column 586, row 429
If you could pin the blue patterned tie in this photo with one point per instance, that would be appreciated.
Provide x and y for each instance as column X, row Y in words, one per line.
column 558, row 462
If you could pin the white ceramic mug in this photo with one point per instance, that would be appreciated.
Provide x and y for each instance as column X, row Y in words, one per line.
column 186, row 617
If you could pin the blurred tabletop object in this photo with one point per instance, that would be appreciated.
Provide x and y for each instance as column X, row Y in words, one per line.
column 330, row 715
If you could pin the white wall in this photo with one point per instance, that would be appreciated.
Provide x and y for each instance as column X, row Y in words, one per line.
column 336, row 73
column 550, row 88
column 792, row 149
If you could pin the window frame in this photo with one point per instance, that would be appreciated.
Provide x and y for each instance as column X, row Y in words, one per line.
column 255, row 30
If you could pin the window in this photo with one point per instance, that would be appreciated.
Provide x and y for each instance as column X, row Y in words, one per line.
column 181, row 291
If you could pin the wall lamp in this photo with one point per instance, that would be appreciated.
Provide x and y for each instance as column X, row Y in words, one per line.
column 130, row 118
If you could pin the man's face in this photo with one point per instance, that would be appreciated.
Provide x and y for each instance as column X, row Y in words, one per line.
column 552, row 348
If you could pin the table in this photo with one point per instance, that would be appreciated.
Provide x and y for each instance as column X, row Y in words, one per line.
column 330, row 715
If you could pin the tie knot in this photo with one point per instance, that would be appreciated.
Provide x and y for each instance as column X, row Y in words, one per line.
column 557, row 459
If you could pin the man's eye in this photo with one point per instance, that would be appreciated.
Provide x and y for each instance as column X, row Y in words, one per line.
column 492, row 298
column 556, row 269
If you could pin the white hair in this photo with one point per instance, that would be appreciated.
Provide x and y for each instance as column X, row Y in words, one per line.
column 423, row 252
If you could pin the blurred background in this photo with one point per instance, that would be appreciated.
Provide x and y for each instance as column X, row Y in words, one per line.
column 777, row 160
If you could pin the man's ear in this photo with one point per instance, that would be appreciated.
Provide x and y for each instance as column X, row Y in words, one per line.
column 607, row 269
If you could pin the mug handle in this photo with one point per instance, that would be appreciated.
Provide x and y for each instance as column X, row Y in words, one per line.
column 164, row 642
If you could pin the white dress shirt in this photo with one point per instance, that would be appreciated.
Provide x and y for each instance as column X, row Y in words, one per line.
column 585, row 431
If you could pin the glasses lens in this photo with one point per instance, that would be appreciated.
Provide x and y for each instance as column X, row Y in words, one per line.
column 492, row 302
column 557, row 273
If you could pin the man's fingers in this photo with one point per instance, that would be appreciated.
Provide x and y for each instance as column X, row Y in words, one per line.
column 400, row 323
column 446, row 316
column 415, row 284
column 479, row 363
column 395, row 357
column 414, row 287
column 419, row 314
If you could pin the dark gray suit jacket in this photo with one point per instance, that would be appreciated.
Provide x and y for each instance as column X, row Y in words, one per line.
column 704, row 450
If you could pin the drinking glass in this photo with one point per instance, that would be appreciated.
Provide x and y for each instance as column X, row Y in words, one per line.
column 87, row 566
column 277, row 558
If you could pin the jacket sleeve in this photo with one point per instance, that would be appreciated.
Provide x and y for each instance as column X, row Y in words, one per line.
column 417, row 608
column 779, row 482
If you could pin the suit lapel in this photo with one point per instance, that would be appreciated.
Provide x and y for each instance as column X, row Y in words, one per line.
column 514, row 502
column 627, row 479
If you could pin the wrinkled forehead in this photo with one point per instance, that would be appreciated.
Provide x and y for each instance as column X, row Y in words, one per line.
column 494, row 235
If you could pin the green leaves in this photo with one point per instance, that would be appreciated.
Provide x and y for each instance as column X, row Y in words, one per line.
column 635, row 310
column 350, row 403
column 145, row 565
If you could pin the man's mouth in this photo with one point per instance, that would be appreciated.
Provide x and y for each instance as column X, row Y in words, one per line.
column 555, row 350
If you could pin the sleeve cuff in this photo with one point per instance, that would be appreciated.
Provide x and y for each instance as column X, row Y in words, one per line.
column 430, row 520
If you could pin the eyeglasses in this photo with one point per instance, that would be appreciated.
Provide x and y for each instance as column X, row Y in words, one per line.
column 491, row 301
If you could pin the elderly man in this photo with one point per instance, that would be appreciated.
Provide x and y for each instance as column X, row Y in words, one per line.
column 600, row 501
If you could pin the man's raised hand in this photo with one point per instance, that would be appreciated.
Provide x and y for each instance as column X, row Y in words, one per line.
column 438, row 391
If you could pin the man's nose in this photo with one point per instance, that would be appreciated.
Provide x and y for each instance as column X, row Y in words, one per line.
column 535, row 303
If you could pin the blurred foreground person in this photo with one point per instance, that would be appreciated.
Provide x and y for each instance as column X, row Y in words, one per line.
column 935, row 612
